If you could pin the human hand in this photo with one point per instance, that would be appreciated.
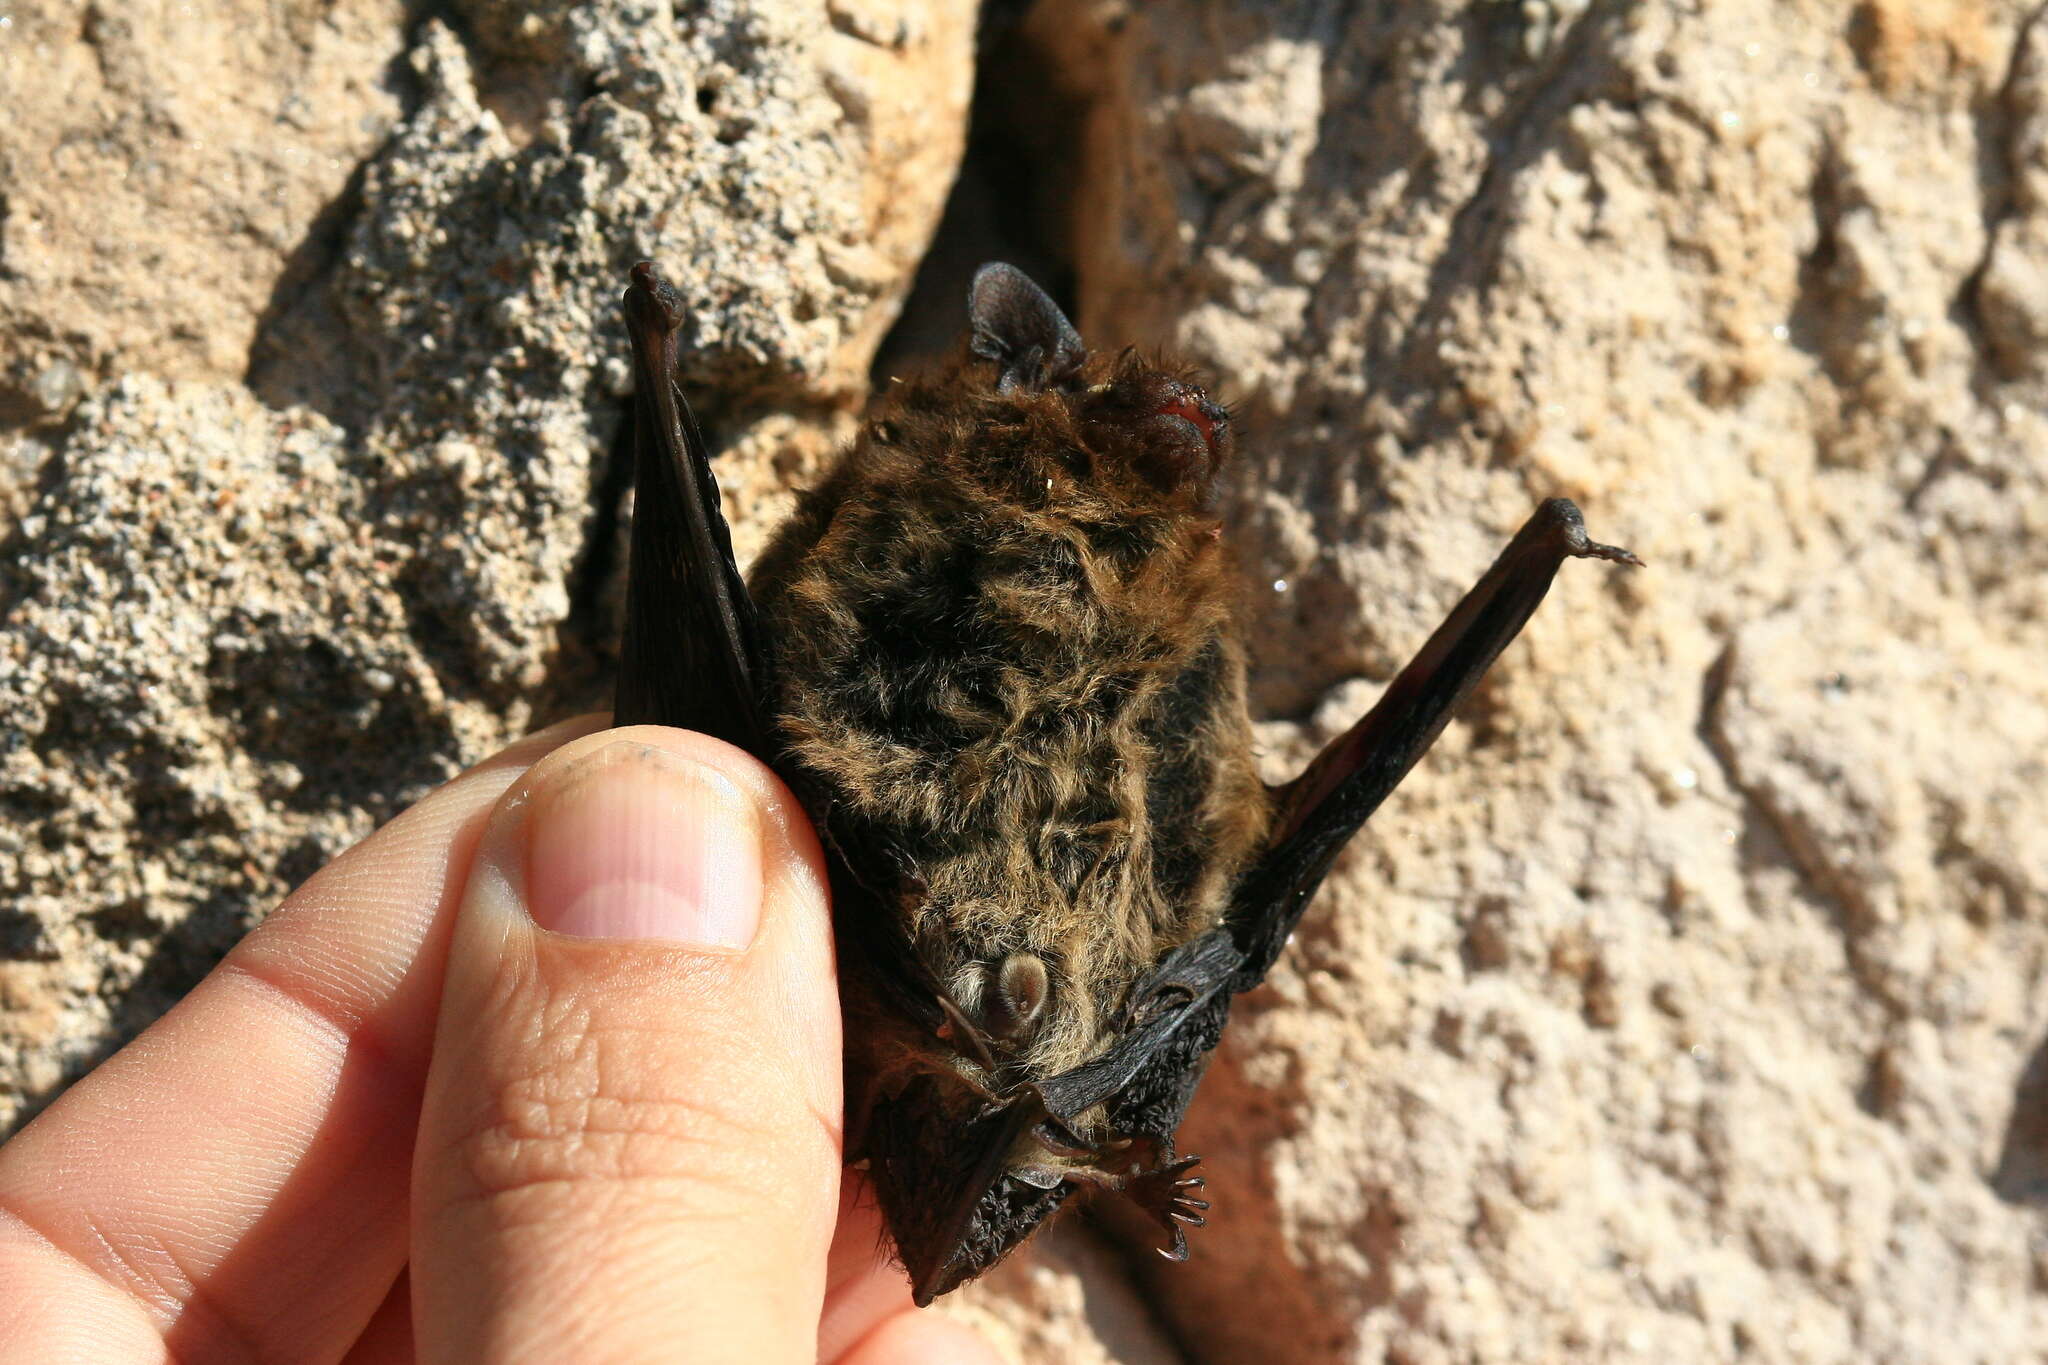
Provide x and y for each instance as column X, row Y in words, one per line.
column 620, row 1141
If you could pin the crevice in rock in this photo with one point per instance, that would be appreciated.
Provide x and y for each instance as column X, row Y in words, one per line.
column 1015, row 194
column 2021, row 1176
column 1790, row 841
column 22, row 938
column 1947, row 458
column 1999, row 171
column 581, row 673
column 16, row 546
column 302, row 353
column 1822, row 309
column 1219, row 1307
column 1470, row 256
column 1100, row 1221
column 300, row 356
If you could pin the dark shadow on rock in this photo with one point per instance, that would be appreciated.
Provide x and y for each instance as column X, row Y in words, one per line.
column 309, row 705
column 2022, row 1173
column 181, row 956
column 22, row 938
column 301, row 354
column 1242, row 1284
column 585, row 663
column 1013, row 198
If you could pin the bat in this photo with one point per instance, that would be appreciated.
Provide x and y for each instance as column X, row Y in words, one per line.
column 994, row 654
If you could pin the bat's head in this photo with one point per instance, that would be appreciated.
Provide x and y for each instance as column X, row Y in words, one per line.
column 1123, row 414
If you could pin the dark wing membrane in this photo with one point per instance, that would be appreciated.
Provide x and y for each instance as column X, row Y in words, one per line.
column 1174, row 999
column 689, row 657
column 1320, row 810
column 692, row 655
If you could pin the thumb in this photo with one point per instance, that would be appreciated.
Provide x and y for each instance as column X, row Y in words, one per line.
column 629, row 1147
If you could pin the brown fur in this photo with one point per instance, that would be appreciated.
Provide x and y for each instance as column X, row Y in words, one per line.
column 1002, row 656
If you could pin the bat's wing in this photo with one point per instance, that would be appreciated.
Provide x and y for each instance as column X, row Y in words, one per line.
column 1321, row 809
column 690, row 656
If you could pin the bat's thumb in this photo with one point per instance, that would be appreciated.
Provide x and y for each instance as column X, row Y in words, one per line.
column 630, row 1141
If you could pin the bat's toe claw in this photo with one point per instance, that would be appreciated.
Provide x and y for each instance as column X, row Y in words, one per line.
column 1166, row 1194
column 1178, row 1252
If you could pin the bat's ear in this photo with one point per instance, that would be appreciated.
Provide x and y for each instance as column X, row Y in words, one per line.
column 1017, row 325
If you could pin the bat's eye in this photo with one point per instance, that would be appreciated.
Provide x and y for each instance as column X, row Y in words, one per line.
column 1017, row 993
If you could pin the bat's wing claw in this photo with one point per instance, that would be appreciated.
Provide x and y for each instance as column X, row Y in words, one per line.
column 1614, row 553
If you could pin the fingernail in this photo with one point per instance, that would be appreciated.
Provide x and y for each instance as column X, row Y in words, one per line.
column 636, row 842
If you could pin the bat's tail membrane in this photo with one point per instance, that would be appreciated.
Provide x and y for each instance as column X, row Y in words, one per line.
column 1321, row 809
column 690, row 656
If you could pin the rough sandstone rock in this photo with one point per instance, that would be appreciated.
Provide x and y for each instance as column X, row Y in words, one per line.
column 245, row 621
column 167, row 169
column 1689, row 1004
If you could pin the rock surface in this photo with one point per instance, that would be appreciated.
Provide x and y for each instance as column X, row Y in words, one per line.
column 248, row 617
column 1688, row 1004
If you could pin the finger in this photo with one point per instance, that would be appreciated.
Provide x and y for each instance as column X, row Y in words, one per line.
column 921, row 1337
column 863, row 1283
column 387, row 1338
column 630, row 1143
column 233, row 1182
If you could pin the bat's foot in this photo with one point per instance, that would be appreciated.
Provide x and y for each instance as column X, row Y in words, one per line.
column 1168, row 1194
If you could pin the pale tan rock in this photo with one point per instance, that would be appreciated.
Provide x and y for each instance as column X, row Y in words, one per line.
column 1680, row 1007
column 243, row 623
column 170, row 169
column 1687, row 1005
column 1066, row 1297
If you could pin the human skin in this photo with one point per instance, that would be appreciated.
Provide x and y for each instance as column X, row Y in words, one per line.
column 545, row 1069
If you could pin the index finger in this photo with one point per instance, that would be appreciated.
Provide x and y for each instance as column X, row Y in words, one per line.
column 232, row 1185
